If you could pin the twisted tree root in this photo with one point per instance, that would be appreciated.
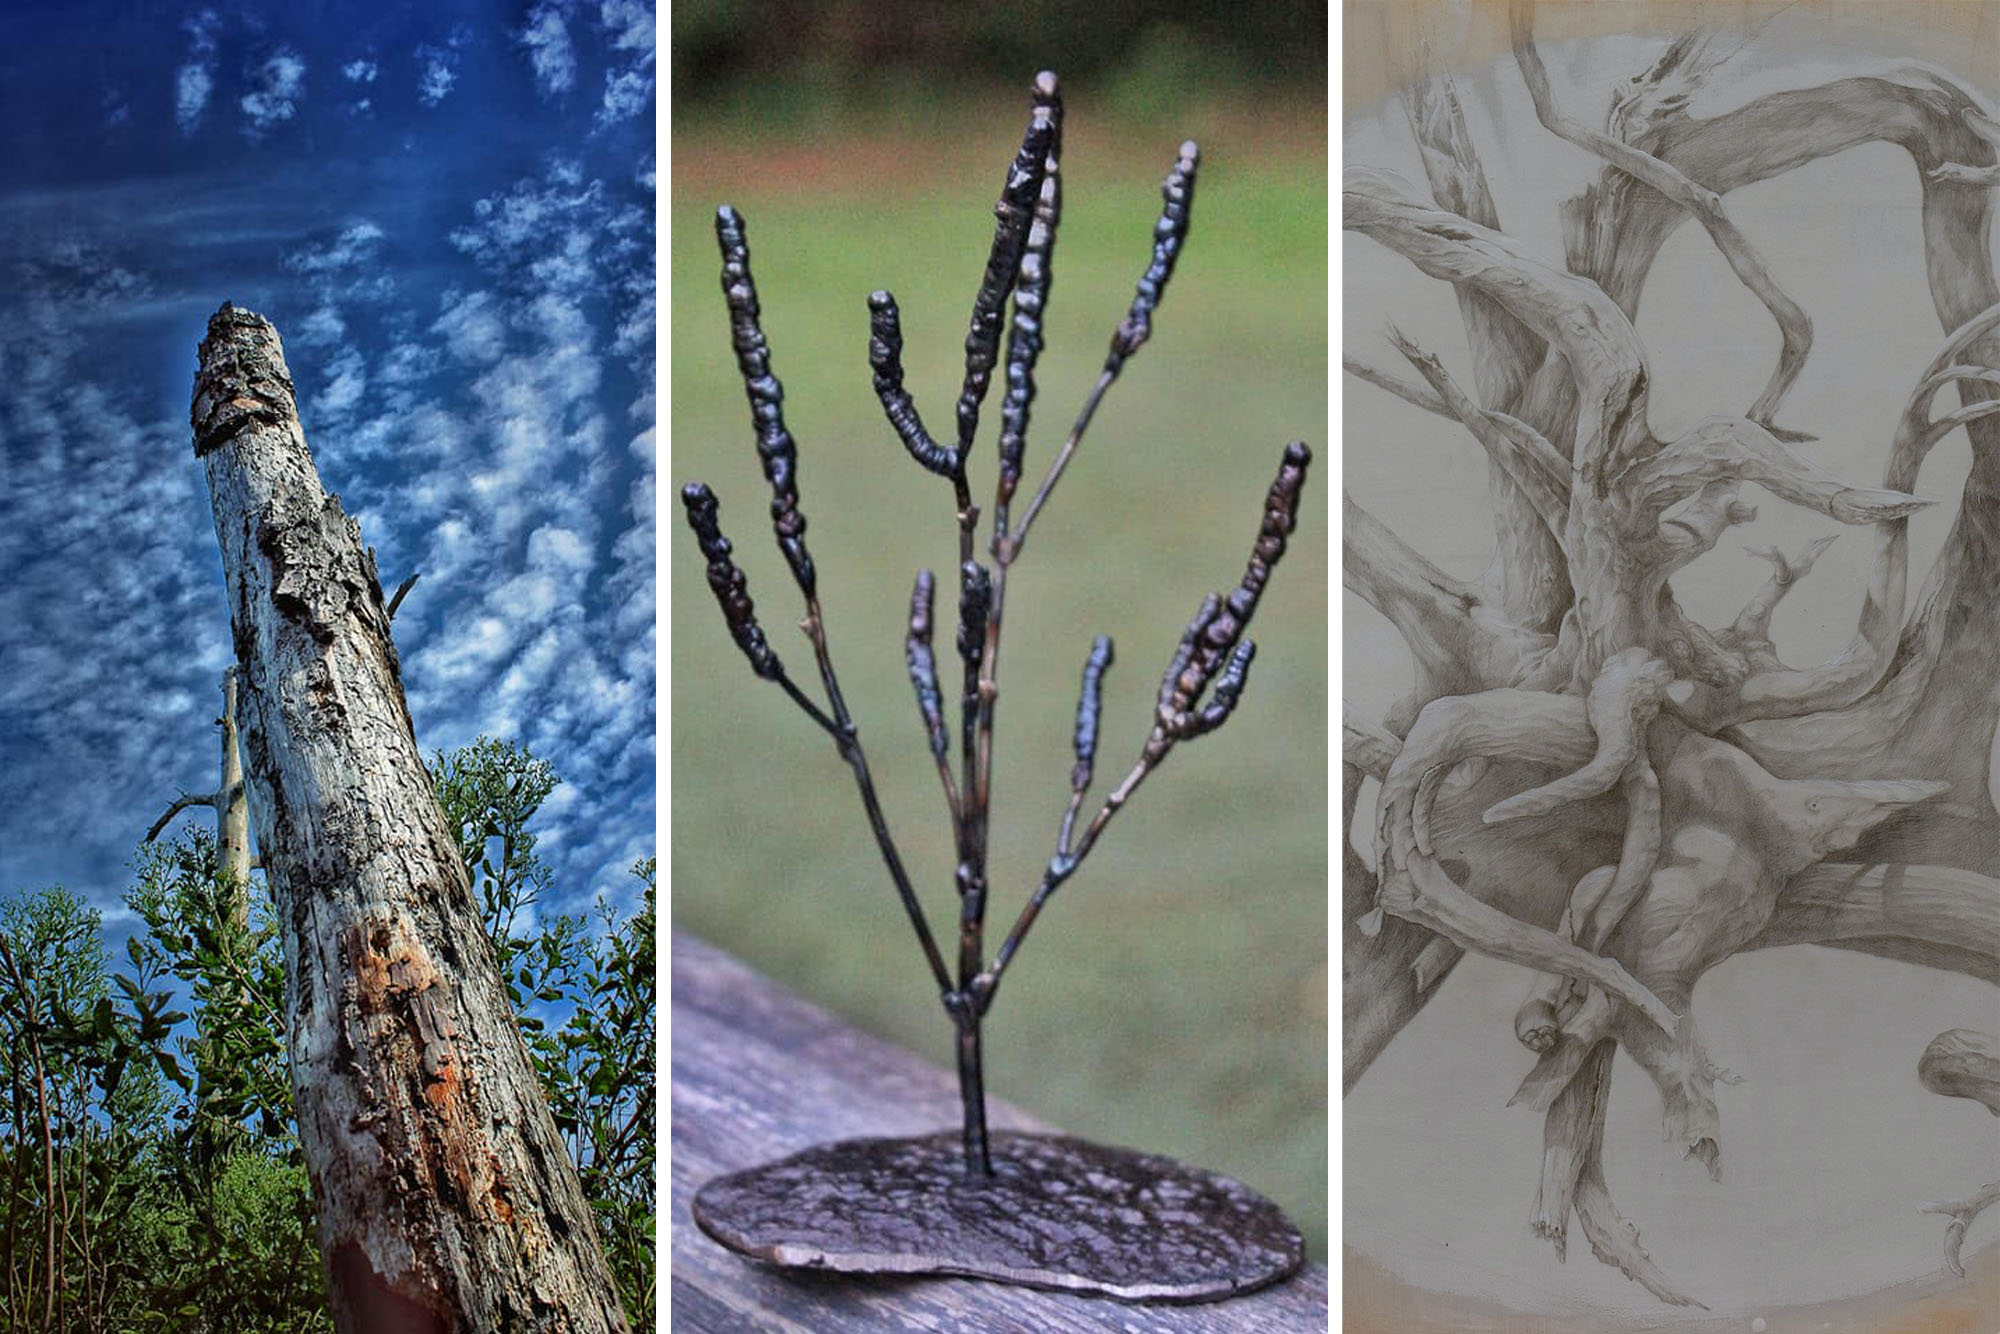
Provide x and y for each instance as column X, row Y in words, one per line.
column 1624, row 699
column 1573, row 1182
column 1962, row 1063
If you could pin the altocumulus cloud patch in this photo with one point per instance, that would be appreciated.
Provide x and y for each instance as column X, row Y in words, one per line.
column 463, row 276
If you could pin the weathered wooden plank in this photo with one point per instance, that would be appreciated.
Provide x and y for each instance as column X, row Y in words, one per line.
column 759, row 1074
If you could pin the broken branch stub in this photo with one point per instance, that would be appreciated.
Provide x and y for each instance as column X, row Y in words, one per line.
column 445, row 1197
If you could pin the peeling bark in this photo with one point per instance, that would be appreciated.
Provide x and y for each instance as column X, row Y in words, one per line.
column 445, row 1198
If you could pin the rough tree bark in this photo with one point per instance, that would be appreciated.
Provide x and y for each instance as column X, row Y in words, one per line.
column 445, row 1198
column 1584, row 778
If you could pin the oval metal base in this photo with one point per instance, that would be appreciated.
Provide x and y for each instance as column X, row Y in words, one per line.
column 1057, row 1213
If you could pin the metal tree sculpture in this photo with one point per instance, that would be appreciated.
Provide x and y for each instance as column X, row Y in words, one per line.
column 1712, row 799
column 1048, row 1211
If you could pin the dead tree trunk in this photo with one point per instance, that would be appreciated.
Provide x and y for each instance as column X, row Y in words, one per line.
column 232, row 809
column 446, row 1200
column 232, row 812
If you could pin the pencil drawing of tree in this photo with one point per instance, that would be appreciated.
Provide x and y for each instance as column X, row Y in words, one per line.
column 1586, row 779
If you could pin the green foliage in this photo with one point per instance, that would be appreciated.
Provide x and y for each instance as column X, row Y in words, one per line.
column 489, row 791
column 150, row 1172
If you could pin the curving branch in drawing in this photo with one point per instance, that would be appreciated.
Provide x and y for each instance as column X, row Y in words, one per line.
column 1586, row 779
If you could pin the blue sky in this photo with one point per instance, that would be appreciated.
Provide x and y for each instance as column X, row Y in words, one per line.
column 447, row 211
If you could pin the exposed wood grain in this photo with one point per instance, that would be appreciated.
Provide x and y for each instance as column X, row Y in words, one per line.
column 758, row 1074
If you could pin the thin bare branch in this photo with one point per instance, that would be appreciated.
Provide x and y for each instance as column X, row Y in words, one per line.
column 1414, row 394
column 1961, row 1213
column 1169, row 235
column 1531, row 463
column 1753, row 624
column 1734, row 449
column 181, row 803
column 402, row 591
column 1601, row 352
column 1212, row 657
column 1794, row 326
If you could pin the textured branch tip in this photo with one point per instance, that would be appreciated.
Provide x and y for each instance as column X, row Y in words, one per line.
column 1012, row 216
column 885, row 358
column 732, row 590
column 1089, row 706
column 1032, row 281
column 775, row 446
column 1169, row 235
column 1210, row 644
column 923, row 664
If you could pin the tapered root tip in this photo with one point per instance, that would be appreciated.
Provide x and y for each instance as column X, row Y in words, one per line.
column 1535, row 1026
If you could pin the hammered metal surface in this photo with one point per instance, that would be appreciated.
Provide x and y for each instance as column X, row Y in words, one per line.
column 1056, row 1213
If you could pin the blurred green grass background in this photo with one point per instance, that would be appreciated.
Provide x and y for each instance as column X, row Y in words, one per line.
column 1174, row 995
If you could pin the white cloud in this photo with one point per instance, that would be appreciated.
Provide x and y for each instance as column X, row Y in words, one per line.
column 345, row 387
column 626, row 94
column 356, row 243
column 192, row 85
column 439, row 73
column 360, row 71
column 103, row 534
column 437, row 67
column 629, row 87
column 549, row 51
column 472, row 327
column 195, row 80
column 277, row 86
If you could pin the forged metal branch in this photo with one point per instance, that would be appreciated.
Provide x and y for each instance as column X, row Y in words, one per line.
column 1169, row 234
column 885, row 359
column 922, row 664
column 1032, row 285
column 776, row 449
column 732, row 594
column 1012, row 216
column 1210, row 643
column 1089, row 708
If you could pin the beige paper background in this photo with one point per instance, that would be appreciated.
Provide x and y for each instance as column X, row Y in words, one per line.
column 1829, row 1144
